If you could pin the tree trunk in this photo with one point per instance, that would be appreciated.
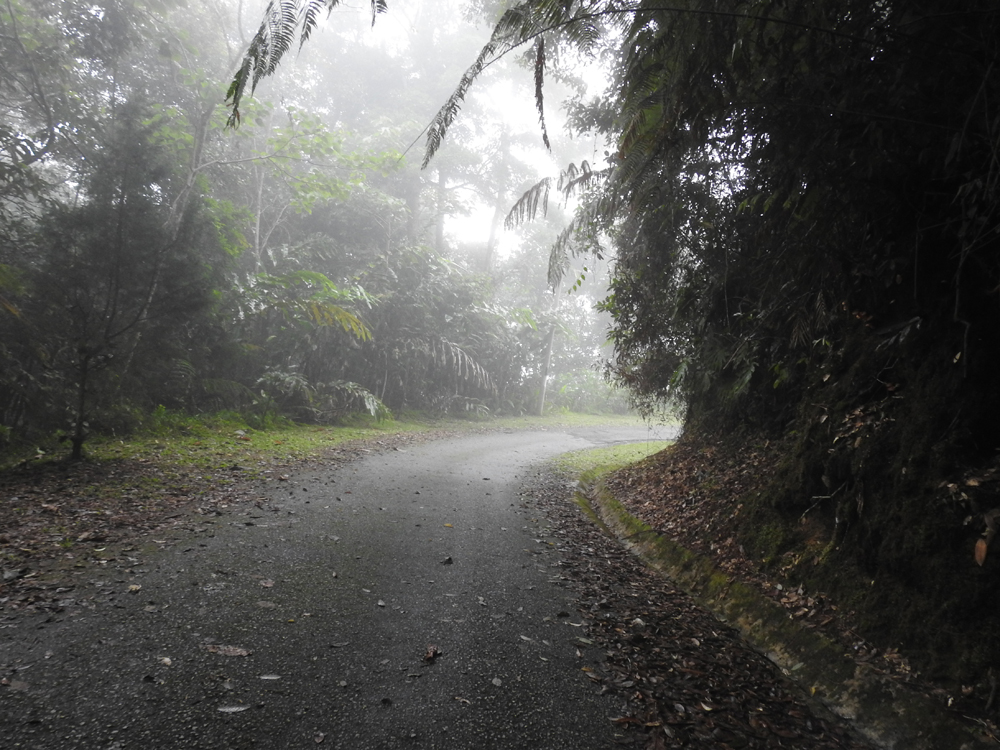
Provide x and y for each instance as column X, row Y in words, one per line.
column 80, row 428
column 545, row 371
column 442, row 203
column 500, row 206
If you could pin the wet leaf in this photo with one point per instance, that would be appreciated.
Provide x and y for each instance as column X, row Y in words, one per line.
column 981, row 547
column 227, row 650
column 623, row 720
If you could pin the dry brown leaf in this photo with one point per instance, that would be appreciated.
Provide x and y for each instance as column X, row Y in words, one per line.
column 981, row 547
column 227, row 650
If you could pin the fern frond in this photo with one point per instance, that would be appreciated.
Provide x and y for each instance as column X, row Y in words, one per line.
column 526, row 207
column 539, row 97
column 308, row 20
column 512, row 30
column 228, row 393
column 282, row 20
column 378, row 6
column 571, row 182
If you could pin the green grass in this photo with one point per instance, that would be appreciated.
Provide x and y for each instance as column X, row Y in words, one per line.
column 595, row 462
column 210, row 442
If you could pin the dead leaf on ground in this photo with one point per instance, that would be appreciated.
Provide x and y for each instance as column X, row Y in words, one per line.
column 227, row 650
column 432, row 653
column 981, row 547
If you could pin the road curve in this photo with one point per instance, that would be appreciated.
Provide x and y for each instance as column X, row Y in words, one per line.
column 404, row 600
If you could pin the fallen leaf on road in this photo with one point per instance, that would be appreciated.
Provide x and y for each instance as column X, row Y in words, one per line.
column 432, row 653
column 227, row 650
column 622, row 720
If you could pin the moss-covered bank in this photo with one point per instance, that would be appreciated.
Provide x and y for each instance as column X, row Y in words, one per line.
column 886, row 711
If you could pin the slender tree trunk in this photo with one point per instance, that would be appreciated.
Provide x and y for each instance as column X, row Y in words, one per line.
column 80, row 428
column 412, row 196
column 442, row 202
column 545, row 370
column 500, row 204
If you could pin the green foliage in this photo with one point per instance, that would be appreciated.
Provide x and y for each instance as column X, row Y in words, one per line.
column 308, row 298
column 227, row 219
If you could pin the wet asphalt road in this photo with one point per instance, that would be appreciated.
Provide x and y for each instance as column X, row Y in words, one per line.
column 304, row 621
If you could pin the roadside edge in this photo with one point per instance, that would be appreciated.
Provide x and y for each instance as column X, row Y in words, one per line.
column 885, row 711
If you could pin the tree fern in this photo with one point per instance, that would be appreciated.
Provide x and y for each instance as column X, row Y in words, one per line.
column 282, row 20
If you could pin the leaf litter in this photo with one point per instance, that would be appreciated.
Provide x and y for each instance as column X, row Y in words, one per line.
column 683, row 678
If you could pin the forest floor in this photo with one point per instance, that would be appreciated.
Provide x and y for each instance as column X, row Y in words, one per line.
column 692, row 494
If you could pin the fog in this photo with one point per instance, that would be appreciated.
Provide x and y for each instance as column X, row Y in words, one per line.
column 301, row 265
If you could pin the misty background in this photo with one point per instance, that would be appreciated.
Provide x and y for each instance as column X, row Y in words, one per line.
column 302, row 265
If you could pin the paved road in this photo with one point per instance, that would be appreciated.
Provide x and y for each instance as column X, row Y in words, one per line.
column 304, row 621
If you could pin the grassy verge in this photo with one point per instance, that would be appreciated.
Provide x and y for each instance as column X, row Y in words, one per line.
column 591, row 464
column 215, row 441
